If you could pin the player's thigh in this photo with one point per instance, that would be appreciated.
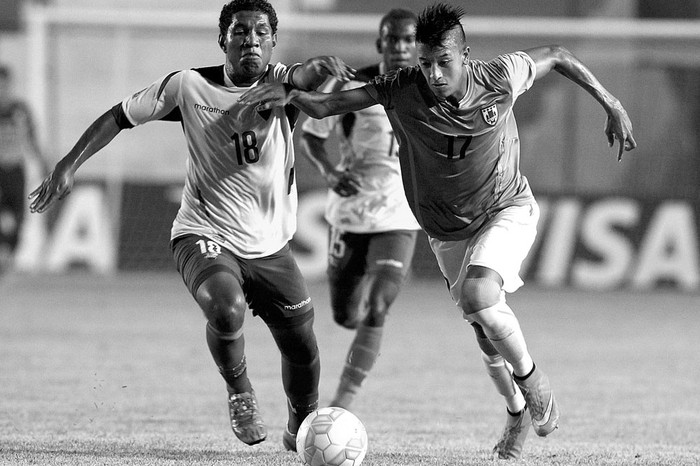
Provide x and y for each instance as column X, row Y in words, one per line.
column 212, row 274
column 501, row 245
column 276, row 289
column 504, row 242
column 347, row 264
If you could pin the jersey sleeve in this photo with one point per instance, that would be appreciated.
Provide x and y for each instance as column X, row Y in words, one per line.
column 322, row 128
column 155, row 102
column 519, row 72
column 379, row 88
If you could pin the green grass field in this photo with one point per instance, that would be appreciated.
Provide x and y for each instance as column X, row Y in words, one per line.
column 115, row 371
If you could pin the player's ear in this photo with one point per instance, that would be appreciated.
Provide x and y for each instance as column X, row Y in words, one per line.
column 274, row 39
column 222, row 43
column 465, row 55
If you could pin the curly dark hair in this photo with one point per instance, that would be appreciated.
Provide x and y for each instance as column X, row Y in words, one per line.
column 437, row 20
column 397, row 14
column 227, row 12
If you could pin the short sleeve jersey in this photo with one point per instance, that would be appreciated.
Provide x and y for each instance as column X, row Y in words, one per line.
column 15, row 134
column 367, row 148
column 239, row 187
column 460, row 164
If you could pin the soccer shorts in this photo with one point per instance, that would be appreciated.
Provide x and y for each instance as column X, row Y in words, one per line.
column 355, row 254
column 501, row 245
column 273, row 285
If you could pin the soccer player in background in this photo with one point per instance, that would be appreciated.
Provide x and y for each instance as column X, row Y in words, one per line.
column 372, row 232
column 459, row 151
column 17, row 145
column 238, row 210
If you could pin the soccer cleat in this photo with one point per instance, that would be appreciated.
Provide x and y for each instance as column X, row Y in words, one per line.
column 297, row 414
column 345, row 395
column 246, row 421
column 510, row 445
column 540, row 401
column 289, row 440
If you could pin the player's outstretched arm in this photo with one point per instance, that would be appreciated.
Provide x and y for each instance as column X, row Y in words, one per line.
column 59, row 183
column 344, row 183
column 314, row 104
column 314, row 71
column 618, row 125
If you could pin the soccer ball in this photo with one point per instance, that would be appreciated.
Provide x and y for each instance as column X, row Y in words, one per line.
column 331, row 437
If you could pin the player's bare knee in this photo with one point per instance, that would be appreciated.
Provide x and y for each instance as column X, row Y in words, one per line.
column 378, row 307
column 346, row 317
column 480, row 293
column 376, row 315
column 498, row 321
column 224, row 313
column 345, row 303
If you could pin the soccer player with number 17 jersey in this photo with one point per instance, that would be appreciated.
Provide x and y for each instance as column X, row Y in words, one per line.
column 459, row 151
column 238, row 210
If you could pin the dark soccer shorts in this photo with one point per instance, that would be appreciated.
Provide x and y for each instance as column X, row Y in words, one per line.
column 273, row 285
column 355, row 254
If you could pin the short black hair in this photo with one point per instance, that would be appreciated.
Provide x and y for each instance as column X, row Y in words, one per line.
column 397, row 14
column 227, row 12
column 437, row 20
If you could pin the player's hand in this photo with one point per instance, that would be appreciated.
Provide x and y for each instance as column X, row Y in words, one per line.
column 269, row 95
column 57, row 185
column 331, row 66
column 344, row 183
column 618, row 126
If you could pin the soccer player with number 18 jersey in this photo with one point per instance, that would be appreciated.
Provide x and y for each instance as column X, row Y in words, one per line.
column 237, row 215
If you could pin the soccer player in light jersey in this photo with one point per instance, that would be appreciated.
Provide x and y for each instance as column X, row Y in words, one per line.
column 459, row 151
column 372, row 232
column 238, row 211
column 18, row 144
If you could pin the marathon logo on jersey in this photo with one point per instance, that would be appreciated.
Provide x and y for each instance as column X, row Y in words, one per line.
column 209, row 109
column 294, row 307
column 490, row 114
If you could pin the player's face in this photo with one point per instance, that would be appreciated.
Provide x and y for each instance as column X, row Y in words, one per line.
column 443, row 67
column 248, row 46
column 397, row 43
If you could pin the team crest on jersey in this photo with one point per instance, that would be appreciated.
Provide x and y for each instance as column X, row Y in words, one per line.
column 490, row 114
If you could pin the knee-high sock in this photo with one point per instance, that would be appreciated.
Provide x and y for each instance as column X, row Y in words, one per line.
column 503, row 331
column 363, row 353
column 228, row 351
column 500, row 372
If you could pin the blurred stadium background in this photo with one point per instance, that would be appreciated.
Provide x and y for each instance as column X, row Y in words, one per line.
column 605, row 225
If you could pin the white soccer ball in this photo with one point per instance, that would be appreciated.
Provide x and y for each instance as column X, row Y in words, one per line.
column 332, row 437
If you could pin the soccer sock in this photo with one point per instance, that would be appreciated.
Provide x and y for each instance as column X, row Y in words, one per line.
column 363, row 353
column 301, row 368
column 228, row 351
column 503, row 330
column 301, row 387
column 499, row 371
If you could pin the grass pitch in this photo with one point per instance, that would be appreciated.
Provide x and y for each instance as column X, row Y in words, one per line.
column 115, row 371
